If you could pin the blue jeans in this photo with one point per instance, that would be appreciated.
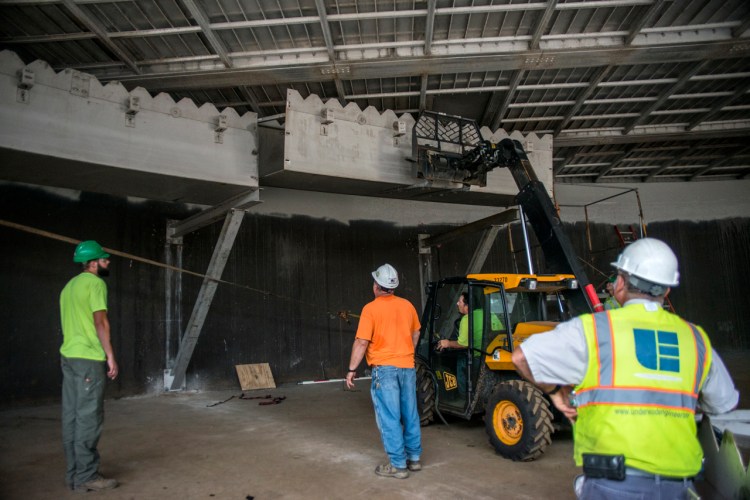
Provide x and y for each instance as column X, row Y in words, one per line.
column 394, row 396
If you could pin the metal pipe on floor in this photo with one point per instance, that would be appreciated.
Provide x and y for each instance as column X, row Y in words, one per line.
column 306, row 382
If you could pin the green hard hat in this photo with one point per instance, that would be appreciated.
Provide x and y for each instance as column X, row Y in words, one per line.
column 89, row 250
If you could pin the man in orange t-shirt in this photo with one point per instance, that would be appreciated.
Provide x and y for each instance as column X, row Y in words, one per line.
column 387, row 334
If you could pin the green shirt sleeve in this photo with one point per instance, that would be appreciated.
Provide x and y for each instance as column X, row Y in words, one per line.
column 478, row 329
column 98, row 296
column 463, row 331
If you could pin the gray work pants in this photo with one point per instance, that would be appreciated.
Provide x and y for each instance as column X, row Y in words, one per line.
column 636, row 488
column 82, row 416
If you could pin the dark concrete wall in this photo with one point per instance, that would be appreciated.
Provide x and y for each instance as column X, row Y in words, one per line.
column 309, row 270
column 714, row 259
column 34, row 269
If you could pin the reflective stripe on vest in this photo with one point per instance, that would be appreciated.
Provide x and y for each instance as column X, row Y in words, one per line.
column 701, row 347
column 640, row 396
column 605, row 391
column 603, row 332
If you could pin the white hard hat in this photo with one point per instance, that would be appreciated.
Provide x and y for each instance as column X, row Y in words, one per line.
column 386, row 276
column 651, row 260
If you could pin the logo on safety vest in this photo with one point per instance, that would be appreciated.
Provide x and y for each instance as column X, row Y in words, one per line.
column 450, row 381
column 657, row 350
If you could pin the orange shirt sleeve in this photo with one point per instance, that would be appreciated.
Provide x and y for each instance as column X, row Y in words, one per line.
column 366, row 327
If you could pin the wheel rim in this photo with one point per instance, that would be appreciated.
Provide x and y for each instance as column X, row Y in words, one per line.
column 508, row 423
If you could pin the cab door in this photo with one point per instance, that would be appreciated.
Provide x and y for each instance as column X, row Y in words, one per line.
column 441, row 321
column 488, row 326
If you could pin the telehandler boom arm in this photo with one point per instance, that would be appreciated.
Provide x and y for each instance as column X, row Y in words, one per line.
column 451, row 148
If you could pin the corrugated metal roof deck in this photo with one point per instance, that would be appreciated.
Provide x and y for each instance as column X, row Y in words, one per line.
column 658, row 89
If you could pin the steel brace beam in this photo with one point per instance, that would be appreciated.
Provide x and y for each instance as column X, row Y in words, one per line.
column 174, row 379
column 490, row 225
column 425, row 267
column 483, row 250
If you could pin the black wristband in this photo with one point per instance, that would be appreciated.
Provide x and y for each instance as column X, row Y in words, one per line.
column 555, row 390
column 355, row 371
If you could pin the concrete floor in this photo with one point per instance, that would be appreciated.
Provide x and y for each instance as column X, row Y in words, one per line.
column 321, row 442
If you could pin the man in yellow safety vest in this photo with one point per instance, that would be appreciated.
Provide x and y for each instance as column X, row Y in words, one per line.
column 638, row 373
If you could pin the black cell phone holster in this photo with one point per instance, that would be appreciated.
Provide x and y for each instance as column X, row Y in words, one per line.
column 604, row 466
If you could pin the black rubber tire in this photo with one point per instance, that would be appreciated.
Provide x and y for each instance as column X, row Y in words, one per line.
column 518, row 420
column 425, row 393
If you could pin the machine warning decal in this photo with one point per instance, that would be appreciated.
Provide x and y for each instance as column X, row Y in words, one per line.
column 450, row 381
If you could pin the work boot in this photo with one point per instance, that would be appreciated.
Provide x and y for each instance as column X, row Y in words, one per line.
column 96, row 483
column 389, row 470
column 413, row 465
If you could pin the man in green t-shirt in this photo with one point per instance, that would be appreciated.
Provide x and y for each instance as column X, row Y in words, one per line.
column 87, row 359
column 463, row 339
column 463, row 328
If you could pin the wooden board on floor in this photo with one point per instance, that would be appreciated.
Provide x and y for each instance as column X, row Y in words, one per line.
column 255, row 376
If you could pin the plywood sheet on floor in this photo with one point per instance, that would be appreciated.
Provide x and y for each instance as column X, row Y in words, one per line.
column 255, row 376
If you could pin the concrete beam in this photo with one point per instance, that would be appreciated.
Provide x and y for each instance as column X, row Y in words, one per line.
column 331, row 148
column 68, row 130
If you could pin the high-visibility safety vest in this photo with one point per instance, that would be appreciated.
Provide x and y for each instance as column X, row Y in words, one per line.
column 638, row 397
